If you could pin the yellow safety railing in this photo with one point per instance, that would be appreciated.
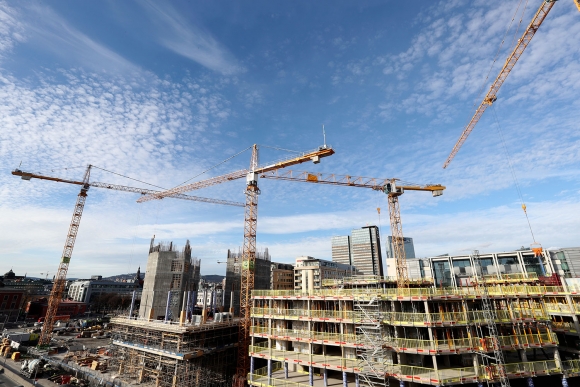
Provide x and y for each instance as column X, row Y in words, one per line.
column 561, row 308
column 476, row 342
column 388, row 293
column 403, row 318
column 443, row 376
column 571, row 366
column 299, row 357
column 304, row 334
column 516, row 341
column 564, row 325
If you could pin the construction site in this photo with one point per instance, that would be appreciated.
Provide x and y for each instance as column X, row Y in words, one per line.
column 509, row 318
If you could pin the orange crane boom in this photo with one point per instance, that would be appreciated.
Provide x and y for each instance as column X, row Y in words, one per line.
column 313, row 156
column 388, row 186
column 124, row 188
column 509, row 64
column 60, row 277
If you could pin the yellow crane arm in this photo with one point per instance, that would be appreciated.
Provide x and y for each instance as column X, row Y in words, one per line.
column 509, row 64
column 124, row 188
column 377, row 184
column 313, row 156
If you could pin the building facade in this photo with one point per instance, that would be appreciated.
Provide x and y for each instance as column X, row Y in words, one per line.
column 262, row 276
column 10, row 303
column 88, row 290
column 341, row 249
column 566, row 261
column 282, row 276
column 409, row 247
column 37, row 309
column 170, row 276
column 310, row 273
column 361, row 249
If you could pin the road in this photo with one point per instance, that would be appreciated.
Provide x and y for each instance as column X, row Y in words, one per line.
column 5, row 381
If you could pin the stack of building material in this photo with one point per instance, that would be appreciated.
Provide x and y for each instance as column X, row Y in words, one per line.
column 87, row 361
column 99, row 365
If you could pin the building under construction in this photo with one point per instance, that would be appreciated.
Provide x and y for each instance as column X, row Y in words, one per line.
column 364, row 331
column 156, row 353
column 171, row 343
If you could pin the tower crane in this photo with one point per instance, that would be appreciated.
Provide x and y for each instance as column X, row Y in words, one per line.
column 391, row 187
column 60, row 277
column 509, row 64
column 250, row 225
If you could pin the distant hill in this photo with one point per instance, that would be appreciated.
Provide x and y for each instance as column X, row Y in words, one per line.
column 129, row 276
column 213, row 278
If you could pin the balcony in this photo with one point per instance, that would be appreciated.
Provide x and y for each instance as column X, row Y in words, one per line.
column 423, row 375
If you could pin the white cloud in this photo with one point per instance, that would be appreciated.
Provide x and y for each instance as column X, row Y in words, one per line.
column 191, row 41
column 48, row 31
column 11, row 28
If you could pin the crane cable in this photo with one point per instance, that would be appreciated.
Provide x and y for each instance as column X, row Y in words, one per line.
column 499, row 49
column 512, row 171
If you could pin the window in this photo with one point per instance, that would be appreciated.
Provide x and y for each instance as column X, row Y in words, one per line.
column 13, row 305
column 15, row 297
column 6, row 297
column 176, row 281
column 176, row 266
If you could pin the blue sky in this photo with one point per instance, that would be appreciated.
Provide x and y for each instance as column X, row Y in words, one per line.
column 161, row 91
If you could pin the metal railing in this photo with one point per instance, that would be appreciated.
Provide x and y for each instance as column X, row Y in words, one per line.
column 446, row 376
column 389, row 293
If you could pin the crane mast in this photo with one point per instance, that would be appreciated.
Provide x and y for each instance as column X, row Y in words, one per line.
column 60, row 277
column 509, row 64
column 393, row 192
column 248, row 266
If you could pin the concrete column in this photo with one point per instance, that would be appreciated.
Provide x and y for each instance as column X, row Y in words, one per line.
column 188, row 306
column 304, row 288
column 344, row 379
column 132, row 305
column 325, row 377
column 356, row 380
column 204, row 305
column 564, row 381
column 183, row 310
column 310, row 376
column 530, row 382
column 251, row 368
column 401, row 383
column 232, row 303
column 285, row 370
column 269, row 371
column 476, row 364
column 310, row 281
column 168, row 305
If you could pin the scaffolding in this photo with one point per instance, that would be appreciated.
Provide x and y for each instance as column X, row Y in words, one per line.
column 490, row 316
column 163, row 354
column 366, row 332
column 371, row 339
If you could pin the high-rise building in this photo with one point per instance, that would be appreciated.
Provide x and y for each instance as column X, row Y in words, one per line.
column 262, row 276
column 365, row 250
column 409, row 247
column 361, row 249
column 170, row 275
column 341, row 249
